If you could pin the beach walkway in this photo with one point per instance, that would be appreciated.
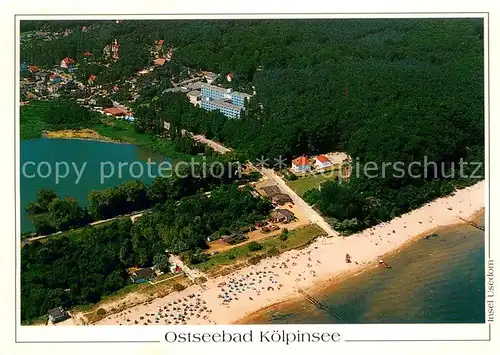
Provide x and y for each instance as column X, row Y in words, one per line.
column 192, row 274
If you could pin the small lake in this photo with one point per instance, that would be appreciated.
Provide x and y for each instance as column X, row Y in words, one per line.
column 88, row 165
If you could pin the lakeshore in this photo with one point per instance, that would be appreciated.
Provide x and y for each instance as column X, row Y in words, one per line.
column 87, row 155
column 87, row 134
column 232, row 298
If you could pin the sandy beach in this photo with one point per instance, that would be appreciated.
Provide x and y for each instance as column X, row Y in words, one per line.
column 228, row 299
column 87, row 134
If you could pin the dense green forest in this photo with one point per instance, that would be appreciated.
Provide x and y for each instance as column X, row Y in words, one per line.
column 71, row 271
column 380, row 89
column 81, row 268
column 54, row 115
column 51, row 213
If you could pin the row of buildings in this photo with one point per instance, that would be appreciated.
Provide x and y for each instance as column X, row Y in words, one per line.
column 321, row 162
column 43, row 84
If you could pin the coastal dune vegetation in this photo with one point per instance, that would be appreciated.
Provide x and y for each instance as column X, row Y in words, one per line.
column 84, row 266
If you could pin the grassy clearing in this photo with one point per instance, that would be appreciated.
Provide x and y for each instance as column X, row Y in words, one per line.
column 310, row 181
column 271, row 246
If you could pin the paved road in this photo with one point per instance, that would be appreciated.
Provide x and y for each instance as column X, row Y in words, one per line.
column 214, row 145
column 308, row 211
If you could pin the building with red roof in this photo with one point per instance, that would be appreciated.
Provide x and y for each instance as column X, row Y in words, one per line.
column 66, row 62
column 301, row 164
column 92, row 78
column 87, row 54
column 33, row 68
column 159, row 61
column 115, row 111
column 160, row 42
column 322, row 161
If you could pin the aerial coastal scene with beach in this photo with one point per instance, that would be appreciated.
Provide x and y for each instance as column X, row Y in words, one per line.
column 252, row 171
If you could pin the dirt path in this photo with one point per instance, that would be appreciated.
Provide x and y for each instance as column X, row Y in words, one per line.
column 32, row 239
column 308, row 211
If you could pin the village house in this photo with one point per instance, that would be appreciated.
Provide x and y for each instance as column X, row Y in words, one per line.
column 67, row 62
column 271, row 191
column 322, row 162
column 91, row 79
column 301, row 165
column 33, row 68
column 57, row 314
column 159, row 61
column 233, row 238
column 115, row 111
column 282, row 216
column 281, row 199
column 142, row 275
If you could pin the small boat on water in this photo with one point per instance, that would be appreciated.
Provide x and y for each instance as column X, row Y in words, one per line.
column 347, row 258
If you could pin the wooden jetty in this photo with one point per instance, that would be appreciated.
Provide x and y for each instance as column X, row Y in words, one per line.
column 319, row 305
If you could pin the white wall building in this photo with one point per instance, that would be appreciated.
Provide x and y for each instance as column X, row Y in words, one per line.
column 322, row 162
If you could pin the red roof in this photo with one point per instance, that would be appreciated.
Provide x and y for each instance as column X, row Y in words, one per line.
column 230, row 75
column 160, row 42
column 116, row 111
column 92, row 77
column 68, row 60
column 87, row 54
column 323, row 158
column 300, row 161
column 33, row 68
column 159, row 61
